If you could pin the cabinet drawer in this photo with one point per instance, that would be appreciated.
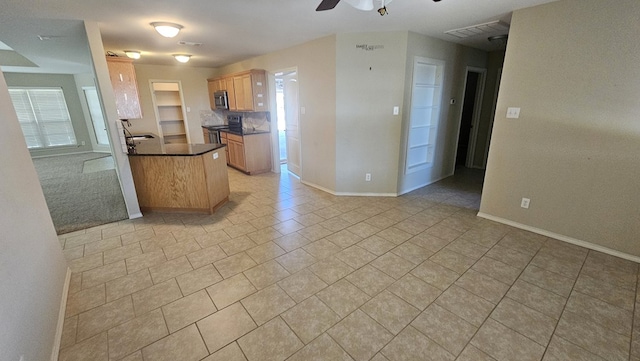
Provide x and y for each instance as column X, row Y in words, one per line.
column 235, row 138
column 223, row 135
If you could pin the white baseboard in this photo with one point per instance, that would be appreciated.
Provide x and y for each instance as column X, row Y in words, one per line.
column 61, row 313
column 560, row 237
column 405, row 191
column 135, row 215
column 348, row 193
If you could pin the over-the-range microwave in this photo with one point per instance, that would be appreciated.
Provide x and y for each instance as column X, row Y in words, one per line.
column 220, row 99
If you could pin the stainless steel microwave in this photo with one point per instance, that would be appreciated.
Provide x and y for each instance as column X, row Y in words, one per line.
column 220, row 99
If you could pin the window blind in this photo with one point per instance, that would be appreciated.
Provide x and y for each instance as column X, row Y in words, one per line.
column 43, row 116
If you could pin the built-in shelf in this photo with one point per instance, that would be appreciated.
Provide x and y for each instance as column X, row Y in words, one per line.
column 169, row 108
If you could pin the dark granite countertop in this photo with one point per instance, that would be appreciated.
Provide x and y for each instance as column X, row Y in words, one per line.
column 154, row 147
column 246, row 132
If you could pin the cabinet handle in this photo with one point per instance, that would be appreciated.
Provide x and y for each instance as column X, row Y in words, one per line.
column 121, row 79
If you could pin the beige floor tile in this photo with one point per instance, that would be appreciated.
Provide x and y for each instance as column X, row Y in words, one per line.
column 187, row 310
column 145, row 260
column 270, row 342
column 429, row 242
column 188, row 232
column 595, row 258
column 136, row 356
column 235, row 264
column 548, row 280
column 560, row 350
column 379, row 357
column 265, row 252
column 136, row 334
column 370, row 280
column 237, row 245
column 557, row 265
column 355, row 256
column 266, row 274
column 302, row 285
column 85, row 300
column 102, row 318
column 363, row 229
column 264, row 221
column 296, row 260
column 288, row 226
column 416, row 292
column 496, row 269
column 412, row 253
column 335, row 224
column 331, row 269
column 121, row 253
column 564, row 251
column 448, row 330
column 467, row 248
column 600, row 312
column 292, row 241
column 212, row 238
column 395, row 235
column 435, row 274
column 231, row 352
column 537, row 298
column 322, row 249
column 472, row 353
column 411, row 226
column 453, row 261
column 86, row 263
column 156, row 296
column 101, row 246
column 225, row 326
column 230, row 290
column 360, row 335
column 117, row 231
column 185, row 344
column 315, row 232
column 80, row 239
column 103, row 274
column 94, row 349
column 393, row 265
column 486, row 287
column 390, row 311
column 198, row 279
column 267, row 304
column 206, row 256
column 619, row 297
column 170, row 269
column 446, row 233
column 381, row 221
column 264, row 235
column 310, row 318
column 180, row 249
column 466, row 305
column 609, row 274
column 344, row 238
column 509, row 256
column 343, row 297
column 323, row 348
column 69, row 330
column 127, row 285
column 75, row 283
column 137, row 236
column 376, row 245
column 502, row 343
column 525, row 320
column 411, row 345
column 526, row 243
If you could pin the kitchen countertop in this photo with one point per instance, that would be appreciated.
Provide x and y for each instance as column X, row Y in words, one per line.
column 246, row 132
column 155, row 147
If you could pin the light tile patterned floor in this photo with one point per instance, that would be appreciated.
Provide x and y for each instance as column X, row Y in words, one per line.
column 285, row 271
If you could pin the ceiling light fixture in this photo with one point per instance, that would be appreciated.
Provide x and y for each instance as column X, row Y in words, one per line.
column 168, row 30
column 133, row 54
column 499, row 40
column 183, row 58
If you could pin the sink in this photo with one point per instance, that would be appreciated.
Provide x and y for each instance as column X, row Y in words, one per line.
column 141, row 137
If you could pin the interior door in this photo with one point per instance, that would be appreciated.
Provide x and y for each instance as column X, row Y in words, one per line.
column 292, row 120
column 97, row 120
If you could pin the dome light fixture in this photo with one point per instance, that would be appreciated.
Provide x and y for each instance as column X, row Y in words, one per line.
column 183, row 58
column 133, row 54
column 168, row 30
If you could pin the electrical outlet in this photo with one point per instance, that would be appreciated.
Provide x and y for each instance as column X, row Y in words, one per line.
column 367, row 177
column 525, row 203
column 83, row 142
column 513, row 113
column 215, row 155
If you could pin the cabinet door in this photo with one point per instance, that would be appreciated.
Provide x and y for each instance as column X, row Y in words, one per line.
column 238, row 86
column 125, row 87
column 231, row 96
column 247, row 92
column 259, row 90
column 239, row 154
column 213, row 86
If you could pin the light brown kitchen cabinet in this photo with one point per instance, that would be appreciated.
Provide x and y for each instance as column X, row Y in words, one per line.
column 125, row 87
column 246, row 91
column 250, row 153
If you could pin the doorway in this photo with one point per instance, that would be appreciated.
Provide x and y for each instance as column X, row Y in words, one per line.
column 470, row 117
column 288, row 120
column 100, row 137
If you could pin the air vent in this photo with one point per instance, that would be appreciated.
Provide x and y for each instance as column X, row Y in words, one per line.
column 189, row 43
column 480, row 29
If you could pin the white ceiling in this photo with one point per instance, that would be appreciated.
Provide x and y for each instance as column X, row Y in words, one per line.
column 230, row 30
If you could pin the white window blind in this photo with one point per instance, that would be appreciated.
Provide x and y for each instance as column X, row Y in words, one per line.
column 43, row 116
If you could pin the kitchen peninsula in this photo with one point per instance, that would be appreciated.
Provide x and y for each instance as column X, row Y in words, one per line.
column 179, row 177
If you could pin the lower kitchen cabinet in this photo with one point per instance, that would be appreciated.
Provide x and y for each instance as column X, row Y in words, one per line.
column 250, row 153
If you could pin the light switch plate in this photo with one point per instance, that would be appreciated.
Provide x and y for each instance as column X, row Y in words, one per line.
column 303, row 110
column 396, row 110
column 513, row 113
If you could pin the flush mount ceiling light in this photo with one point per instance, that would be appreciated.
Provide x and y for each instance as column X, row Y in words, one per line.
column 133, row 54
column 168, row 30
column 500, row 40
column 183, row 58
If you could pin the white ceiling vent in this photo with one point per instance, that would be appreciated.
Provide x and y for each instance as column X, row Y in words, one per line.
column 492, row 27
column 189, row 43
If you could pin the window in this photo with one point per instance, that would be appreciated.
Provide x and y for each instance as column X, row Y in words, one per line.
column 44, row 117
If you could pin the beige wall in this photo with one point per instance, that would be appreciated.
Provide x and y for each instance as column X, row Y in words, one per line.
column 316, row 64
column 456, row 58
column 32, row 266
column 69, row 88
column 194, row 91
column 572, row 67
column 369, row 83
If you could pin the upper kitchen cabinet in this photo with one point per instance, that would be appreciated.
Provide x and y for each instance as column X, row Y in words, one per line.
column 125, row 87
column 246, row 91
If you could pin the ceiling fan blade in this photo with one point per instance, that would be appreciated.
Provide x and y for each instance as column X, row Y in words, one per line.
column 327, row 5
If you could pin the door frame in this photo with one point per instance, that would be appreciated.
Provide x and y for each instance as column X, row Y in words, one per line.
column 275, row 144
column 477, row 109
column 493, row 116
column 101, row 148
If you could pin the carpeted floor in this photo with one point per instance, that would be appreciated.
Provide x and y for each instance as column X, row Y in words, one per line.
column 79, row 200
